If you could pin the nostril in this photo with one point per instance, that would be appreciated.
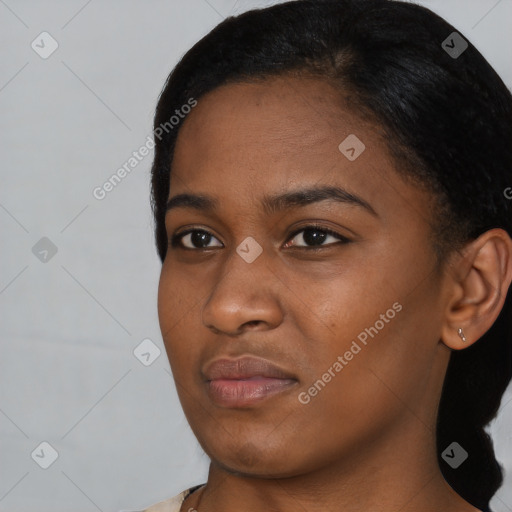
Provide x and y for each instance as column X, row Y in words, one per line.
column 252, row 323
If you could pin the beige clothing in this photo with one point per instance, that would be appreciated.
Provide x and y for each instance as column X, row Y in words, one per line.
column 172, row 504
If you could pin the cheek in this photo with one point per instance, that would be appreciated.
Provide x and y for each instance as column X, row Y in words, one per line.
column 336, row 310
column 363, row 381
column 177, row 314
column 167, row 302
column 177, row 295
column 373, row 317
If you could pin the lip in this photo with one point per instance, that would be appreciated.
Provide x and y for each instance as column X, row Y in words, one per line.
column 243, row 382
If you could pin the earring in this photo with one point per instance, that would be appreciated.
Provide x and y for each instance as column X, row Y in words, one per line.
column 461, row 334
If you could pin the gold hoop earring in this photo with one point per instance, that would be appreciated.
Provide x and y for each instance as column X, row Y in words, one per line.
column 461, row 334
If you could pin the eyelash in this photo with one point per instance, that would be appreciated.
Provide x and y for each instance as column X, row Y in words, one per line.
column 175, row 241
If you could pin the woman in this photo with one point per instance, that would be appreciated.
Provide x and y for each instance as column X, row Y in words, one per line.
column 328, row 192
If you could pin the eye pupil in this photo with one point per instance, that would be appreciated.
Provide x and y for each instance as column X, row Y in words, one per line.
column 200, row 237
column 313, row 236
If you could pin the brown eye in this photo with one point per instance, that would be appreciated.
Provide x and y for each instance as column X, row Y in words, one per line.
column 314, row 236
column 194, row 239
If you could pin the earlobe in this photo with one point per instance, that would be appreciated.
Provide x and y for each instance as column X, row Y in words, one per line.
column 479, row 290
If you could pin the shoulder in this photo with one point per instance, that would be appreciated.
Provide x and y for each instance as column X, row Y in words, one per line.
column 170, row 505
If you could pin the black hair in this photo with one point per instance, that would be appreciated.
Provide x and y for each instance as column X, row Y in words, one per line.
column 447, row 119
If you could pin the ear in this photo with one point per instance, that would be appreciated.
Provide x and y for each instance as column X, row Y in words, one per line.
column 478, row 283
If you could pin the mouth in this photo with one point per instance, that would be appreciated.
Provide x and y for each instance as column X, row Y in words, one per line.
column 236, row 393
column 244, row 382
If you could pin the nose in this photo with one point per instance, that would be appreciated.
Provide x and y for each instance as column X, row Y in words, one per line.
column 243, row 298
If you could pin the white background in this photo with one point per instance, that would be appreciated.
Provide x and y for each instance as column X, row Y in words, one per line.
column 69, row 326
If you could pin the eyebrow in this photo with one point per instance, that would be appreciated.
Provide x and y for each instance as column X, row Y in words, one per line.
column 278, row 202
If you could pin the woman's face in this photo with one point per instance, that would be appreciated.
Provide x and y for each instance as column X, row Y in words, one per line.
column 295, row 347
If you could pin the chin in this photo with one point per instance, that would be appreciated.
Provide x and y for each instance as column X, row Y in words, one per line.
column 250, row 460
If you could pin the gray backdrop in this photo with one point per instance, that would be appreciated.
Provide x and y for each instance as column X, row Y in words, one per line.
column 79, row 274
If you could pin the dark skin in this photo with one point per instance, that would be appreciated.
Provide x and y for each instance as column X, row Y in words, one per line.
column 367, row 440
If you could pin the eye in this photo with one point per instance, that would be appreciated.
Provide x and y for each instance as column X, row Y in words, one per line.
column 315, row 236
column 307, row 237
column 194, row 239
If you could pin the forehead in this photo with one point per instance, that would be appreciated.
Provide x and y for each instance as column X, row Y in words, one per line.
column 279, row 113
column 266, row 136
